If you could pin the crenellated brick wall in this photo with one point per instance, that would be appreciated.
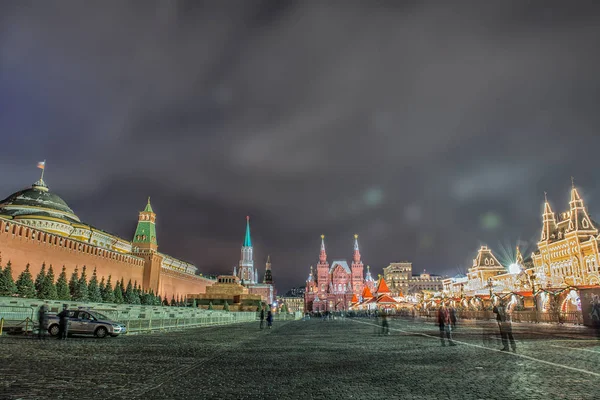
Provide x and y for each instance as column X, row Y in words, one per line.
column 21, row 244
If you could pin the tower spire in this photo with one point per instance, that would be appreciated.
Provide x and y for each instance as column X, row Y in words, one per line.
column 549, row 221
column 323, row 254
column 356, row 256
column 519, row 258
column 145, row 234
column 247, row 239
column 268, row 274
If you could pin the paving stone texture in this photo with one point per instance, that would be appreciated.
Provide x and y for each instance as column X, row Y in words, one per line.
column 339, row 359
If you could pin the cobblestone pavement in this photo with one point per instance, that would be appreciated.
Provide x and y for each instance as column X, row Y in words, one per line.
column 341, row 359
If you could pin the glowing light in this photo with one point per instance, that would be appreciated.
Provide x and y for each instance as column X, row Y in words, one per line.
column 514, row 268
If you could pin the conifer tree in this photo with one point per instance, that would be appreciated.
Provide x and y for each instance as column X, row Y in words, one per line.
column 39, row 280
column 108, row 296
column 226, row 306
column 25, row 284
column 94, row 294
column 62, row 287
column 7, row 283
column 194, row 304
column 210, row 306
column 164, row 302
column 128, row 298
column 118, row 292
column 102, row 288
column 173, row 302
column 74, row 284
column 48, row 291
column 284, row 308
column 137, row 293
column 82, row 287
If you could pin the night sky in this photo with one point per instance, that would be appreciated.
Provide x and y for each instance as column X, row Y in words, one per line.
column 428, row 128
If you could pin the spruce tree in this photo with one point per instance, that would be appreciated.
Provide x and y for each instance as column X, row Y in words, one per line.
column 74, row 284
column 210, row 306
column 194, row 304
column 226, row 306
column 39, row 280
column 128, row 294
column 62, row 287
column 48, row 291
column 25, row 284
column 94, row 294
column 7, row 284
column 102, row 288
column 108, row 296
column 82, row 287
column 137, row 293
column 164, row 302
column 173, row 303
column 118, row 293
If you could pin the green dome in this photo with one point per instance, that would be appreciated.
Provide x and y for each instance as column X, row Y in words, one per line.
column 37, row 200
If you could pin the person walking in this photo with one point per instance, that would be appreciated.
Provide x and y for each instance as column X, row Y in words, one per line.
column 595, row 314
column 445, row 324
column 505, row 325
column 385, row 327
column 262, row 317
column 63, row 325
column 42, row 321
column 269, row 319
column 452, row 317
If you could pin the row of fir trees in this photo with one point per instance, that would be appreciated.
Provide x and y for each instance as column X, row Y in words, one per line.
column 78, row 288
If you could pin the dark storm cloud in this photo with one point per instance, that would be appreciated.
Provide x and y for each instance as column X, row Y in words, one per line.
column 426, row 127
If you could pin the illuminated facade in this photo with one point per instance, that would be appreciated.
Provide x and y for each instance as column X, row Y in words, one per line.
column 401, row 280
column 37, row 227
column 333, row 287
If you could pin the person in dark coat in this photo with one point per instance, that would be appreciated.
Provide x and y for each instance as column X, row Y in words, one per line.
column 262, row 317
column 505, row 325
column 595, row 314
column 385, row 327
column 63, row 325
column 42, row 321
column 269, row 319
column 445, row 324
column 452, row 317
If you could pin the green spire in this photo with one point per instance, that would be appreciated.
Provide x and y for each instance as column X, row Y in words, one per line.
column 247, row 240
column 148, row 206
column 146, row 229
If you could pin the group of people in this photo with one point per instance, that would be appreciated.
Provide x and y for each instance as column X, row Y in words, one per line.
column 269, row 318
column 446, row 320
column 63, row 324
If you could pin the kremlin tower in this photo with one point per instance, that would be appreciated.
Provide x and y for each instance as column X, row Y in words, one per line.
column 246, row 272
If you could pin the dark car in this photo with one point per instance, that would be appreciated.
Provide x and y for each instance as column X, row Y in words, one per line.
column 87, row 322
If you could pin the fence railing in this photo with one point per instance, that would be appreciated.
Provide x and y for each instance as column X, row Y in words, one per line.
column 572, row 317
column 216, row 318
column 16, row 316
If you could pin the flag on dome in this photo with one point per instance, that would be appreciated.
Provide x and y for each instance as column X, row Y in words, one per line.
column 41, row 164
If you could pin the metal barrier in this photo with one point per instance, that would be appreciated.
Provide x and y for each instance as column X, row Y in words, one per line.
column 531, row 316
column 161, row 324
column 16, row 316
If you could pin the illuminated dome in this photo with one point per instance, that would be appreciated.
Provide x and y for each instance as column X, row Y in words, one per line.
column 37, row 203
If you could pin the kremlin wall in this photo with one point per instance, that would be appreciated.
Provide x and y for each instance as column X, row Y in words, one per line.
column 37, row 226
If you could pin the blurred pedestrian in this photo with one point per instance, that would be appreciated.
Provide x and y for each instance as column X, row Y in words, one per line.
column 452, row 317
column 503, row 318
column 595, row 314
column 63, row 324
column 262, row 317
column 269, row 319
column 42, row 321
column 445, row 324
column 385, row 327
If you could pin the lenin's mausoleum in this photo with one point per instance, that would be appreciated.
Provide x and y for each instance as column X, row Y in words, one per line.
column 37, row 226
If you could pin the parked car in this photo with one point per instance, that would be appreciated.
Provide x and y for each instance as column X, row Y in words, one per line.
column 87, row 322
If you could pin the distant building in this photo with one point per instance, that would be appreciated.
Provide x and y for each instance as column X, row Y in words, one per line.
column 333, row 288
column 400, row 279
column 293, row 303
column 296, row 292
column 248, row 275
column 227, row 290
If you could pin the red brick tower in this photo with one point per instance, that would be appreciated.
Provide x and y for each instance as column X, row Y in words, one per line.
column 357, row 269
column 323, row 269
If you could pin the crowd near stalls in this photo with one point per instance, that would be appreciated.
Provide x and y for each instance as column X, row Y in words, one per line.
column 558, row 282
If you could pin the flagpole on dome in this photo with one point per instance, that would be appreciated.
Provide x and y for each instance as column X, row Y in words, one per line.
column 42, row 165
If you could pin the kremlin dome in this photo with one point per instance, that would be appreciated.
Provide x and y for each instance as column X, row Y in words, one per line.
column 37, row 202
